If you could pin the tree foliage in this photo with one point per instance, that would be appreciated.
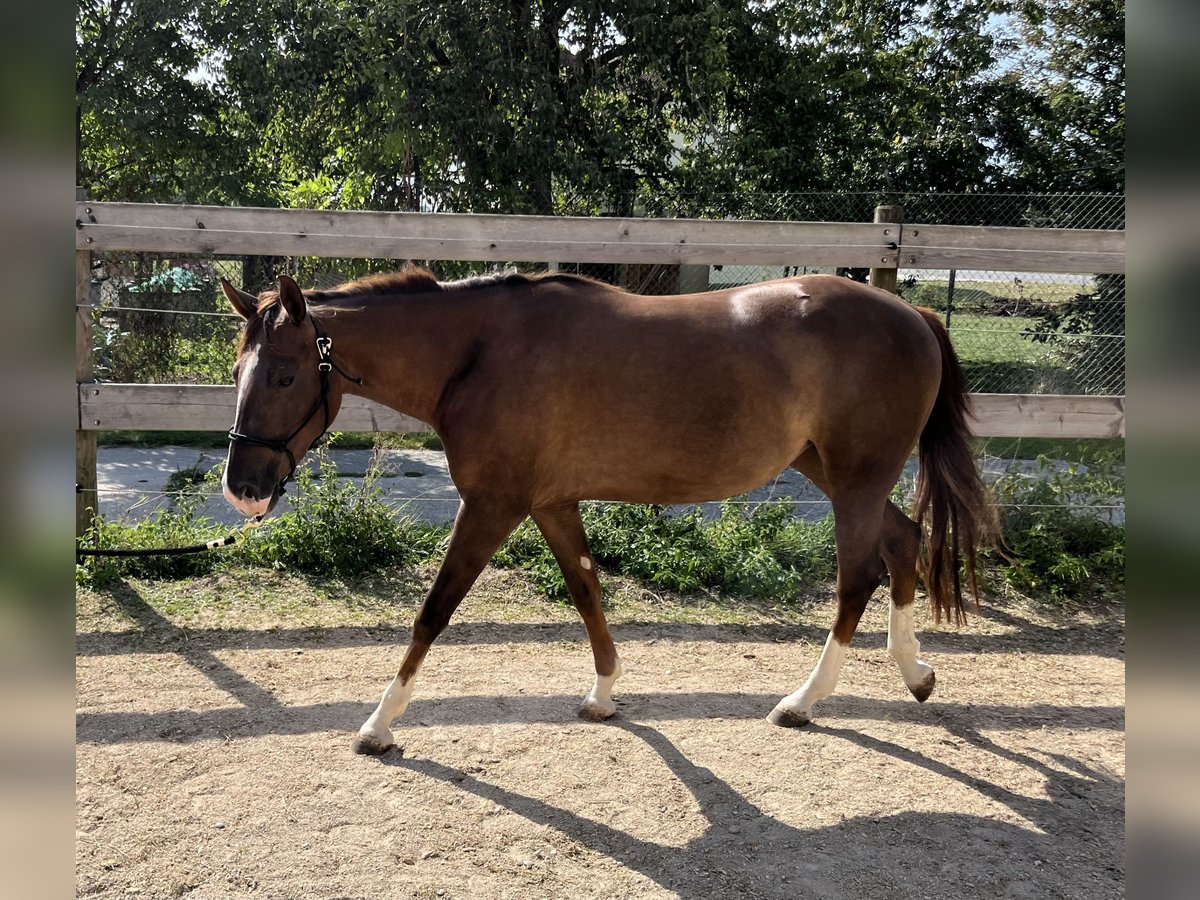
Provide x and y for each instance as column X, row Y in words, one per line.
column 542, row 106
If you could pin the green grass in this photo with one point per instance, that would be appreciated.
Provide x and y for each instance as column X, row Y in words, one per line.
column 968, row 294
column 981, row 338
column 1045, row 292
column 1077, row 451
column 998, row 359
column 996, row 355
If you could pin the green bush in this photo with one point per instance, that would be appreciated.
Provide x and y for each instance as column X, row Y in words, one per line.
column 333, row 528
column 176, row 526
column 1061, row 543
column 765, row 554
column 338, row 528
column 165, row 529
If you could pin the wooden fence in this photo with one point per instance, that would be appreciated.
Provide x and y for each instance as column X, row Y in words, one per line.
column 883, row 246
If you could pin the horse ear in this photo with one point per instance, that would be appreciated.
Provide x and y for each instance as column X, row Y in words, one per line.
column 292, row 299
column 243, row 304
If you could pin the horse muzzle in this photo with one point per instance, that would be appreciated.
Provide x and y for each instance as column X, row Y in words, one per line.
column 244, row 500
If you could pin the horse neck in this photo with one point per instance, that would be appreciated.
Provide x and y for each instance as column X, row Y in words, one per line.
column 405, row 349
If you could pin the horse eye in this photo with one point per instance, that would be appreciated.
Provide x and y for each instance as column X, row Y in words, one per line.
column 286, row 380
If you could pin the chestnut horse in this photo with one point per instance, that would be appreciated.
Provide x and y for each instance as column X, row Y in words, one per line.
column 552, row 389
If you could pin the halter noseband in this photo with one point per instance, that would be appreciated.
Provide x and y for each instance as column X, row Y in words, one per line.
column 325, row 365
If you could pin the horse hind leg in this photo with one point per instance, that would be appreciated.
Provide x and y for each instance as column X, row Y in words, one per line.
column 562, row 528
column 858, row 524
column 900, row 547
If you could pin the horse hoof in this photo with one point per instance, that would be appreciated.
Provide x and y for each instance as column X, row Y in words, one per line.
column 590, row 711
column 925, row 688
column 369, row 745
column 788, row 718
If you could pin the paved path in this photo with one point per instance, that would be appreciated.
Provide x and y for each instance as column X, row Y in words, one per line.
column 132, row 480
column 417, row 482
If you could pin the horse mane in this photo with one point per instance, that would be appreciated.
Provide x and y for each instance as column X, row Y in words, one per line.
column 412, row 279
column 409, row 280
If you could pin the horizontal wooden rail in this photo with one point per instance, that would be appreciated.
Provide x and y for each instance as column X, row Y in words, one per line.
column 155, row 407
column 1011, row 249
column 1048, row 416
column 447, row 236
column 191, row 407
column 167, row 228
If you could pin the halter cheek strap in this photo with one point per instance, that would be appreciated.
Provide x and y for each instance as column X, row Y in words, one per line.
column 325, row 365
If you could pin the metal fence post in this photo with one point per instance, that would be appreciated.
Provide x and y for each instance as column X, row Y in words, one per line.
column 950, row 295
column 86, row 498
column 887, row 278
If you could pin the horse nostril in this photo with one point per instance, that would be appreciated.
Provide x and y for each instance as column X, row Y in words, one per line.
column 242, row 490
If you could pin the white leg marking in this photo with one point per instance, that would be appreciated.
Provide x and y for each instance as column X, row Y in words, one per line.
column 820, row 683
column 586, row 563
column 904, row 647
column 394, row 702
column 598, row 704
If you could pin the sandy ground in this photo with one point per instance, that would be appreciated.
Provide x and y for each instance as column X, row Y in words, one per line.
column 213, row 759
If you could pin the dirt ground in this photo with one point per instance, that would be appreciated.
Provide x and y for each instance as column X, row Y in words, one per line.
column 213, row 761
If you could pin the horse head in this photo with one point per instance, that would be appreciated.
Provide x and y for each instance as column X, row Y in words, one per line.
column 285, row 400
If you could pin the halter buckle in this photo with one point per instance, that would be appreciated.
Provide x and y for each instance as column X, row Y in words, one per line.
column 324, row 348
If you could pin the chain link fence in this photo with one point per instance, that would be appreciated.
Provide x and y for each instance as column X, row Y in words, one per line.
column 162, row 319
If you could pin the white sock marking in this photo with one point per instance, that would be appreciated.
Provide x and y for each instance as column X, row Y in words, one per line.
column 821, row 682
column 904, row 647
column 394, row 702
column 600, row 695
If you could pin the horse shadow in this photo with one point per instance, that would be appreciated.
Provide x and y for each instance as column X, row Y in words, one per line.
column 744, row 852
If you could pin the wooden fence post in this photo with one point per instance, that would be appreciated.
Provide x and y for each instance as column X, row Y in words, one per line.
column 887, row 278
column 86, row 498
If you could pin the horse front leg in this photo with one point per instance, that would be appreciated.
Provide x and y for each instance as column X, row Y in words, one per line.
column 479, row 529
column 562, row 528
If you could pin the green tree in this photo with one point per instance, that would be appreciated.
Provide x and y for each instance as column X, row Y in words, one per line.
column 1064, row 129
column 541, row 106
column 149, row 123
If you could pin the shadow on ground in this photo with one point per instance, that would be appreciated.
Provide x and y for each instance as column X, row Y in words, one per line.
column 746, row 853
column 1071, row 846
column 1101, row 638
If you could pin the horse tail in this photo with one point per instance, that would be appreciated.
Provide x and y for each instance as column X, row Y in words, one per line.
column 950, row 491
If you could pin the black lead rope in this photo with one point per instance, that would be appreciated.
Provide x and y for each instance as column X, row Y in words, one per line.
column 228, row 540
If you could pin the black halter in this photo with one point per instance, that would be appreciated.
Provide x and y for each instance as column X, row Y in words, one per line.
column 325, row 365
